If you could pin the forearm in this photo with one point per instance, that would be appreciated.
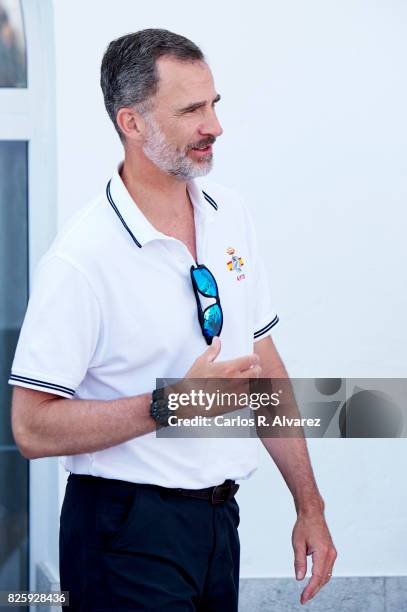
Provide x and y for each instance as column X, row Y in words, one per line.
column 292, row 459
column 61, row 426
column 287, row 446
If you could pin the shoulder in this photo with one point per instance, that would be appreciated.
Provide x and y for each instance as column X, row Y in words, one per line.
column 85, row 234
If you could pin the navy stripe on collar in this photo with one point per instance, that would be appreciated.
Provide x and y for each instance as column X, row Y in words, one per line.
column 210, row 200
column 113, row 205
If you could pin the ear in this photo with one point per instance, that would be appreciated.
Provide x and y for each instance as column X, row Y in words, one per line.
column 131, row 123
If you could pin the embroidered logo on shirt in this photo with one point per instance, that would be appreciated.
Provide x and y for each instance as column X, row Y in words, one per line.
column 235, row 263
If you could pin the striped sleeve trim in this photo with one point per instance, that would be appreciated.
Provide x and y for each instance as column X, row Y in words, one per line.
column 266, row 328
column 34, row 382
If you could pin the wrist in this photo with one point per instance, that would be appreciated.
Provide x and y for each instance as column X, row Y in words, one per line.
column 159, row 409
column 310, row 506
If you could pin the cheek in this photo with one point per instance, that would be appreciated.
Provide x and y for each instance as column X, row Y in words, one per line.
column 178, row 137
column 183, row 133
column 187, row 132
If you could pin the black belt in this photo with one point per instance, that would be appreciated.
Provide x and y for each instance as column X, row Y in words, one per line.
column 215, row 495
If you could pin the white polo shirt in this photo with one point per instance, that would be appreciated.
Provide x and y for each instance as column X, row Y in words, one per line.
column 112, row 309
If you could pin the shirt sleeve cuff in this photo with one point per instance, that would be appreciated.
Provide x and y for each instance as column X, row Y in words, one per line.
column 40, row 385
column 265, row 329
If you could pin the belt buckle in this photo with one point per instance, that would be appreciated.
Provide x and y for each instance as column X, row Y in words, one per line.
column 226, row 487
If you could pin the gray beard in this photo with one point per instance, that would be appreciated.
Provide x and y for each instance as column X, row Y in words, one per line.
column 169, row 158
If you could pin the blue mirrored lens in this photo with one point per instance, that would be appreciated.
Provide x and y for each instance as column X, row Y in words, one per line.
column 212, row 320
column 205, row 282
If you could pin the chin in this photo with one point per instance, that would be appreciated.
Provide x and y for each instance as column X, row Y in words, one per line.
column 203, row 169
column 208, row 159
column 193, row 170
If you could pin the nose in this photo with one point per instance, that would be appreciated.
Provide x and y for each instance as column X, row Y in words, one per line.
column 219, row 130
column 212, row 126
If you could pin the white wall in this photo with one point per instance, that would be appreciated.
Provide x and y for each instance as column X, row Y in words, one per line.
column 313, row 108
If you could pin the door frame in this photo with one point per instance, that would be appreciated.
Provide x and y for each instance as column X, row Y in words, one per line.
column 29, row 114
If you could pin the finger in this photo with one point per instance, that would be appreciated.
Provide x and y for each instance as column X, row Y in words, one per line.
column 331, row 556
column 321, row 564
column 300, row 562
column 313, row 586
column 323, row 581
column 241, row 364
column 253, row 372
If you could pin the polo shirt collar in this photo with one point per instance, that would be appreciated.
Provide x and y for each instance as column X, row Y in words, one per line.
column 136, row 223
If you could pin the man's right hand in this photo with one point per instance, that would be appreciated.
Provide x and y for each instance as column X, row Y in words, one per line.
column 205, row 366
column 230, row 376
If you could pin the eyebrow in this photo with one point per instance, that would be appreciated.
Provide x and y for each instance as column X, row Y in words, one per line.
column 196, row 105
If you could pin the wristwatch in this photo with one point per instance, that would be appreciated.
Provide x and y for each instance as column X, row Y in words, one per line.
column 159, row 409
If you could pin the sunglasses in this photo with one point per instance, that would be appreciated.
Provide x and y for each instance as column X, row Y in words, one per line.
column 210, row 319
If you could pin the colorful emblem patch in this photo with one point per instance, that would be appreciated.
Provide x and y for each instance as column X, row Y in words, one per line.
column 235, row 263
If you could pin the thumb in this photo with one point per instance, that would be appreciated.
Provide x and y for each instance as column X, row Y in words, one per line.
column 213, row 350
column 300, row 563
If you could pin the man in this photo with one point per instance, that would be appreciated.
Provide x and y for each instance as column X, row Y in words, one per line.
column 150, row 522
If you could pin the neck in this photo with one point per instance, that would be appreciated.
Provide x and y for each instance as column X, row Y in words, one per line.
column 158, row 194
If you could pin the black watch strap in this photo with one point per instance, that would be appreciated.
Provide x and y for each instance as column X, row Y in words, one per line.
column 159, row 409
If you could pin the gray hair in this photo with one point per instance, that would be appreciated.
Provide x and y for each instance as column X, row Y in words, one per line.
column 129, row 76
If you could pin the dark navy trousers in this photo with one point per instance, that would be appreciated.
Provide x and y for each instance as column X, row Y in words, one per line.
column 127, row 547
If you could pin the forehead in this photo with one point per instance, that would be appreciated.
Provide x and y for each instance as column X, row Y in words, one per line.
column 181, row 82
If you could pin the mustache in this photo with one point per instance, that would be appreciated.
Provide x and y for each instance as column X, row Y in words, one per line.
column 202, row 143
